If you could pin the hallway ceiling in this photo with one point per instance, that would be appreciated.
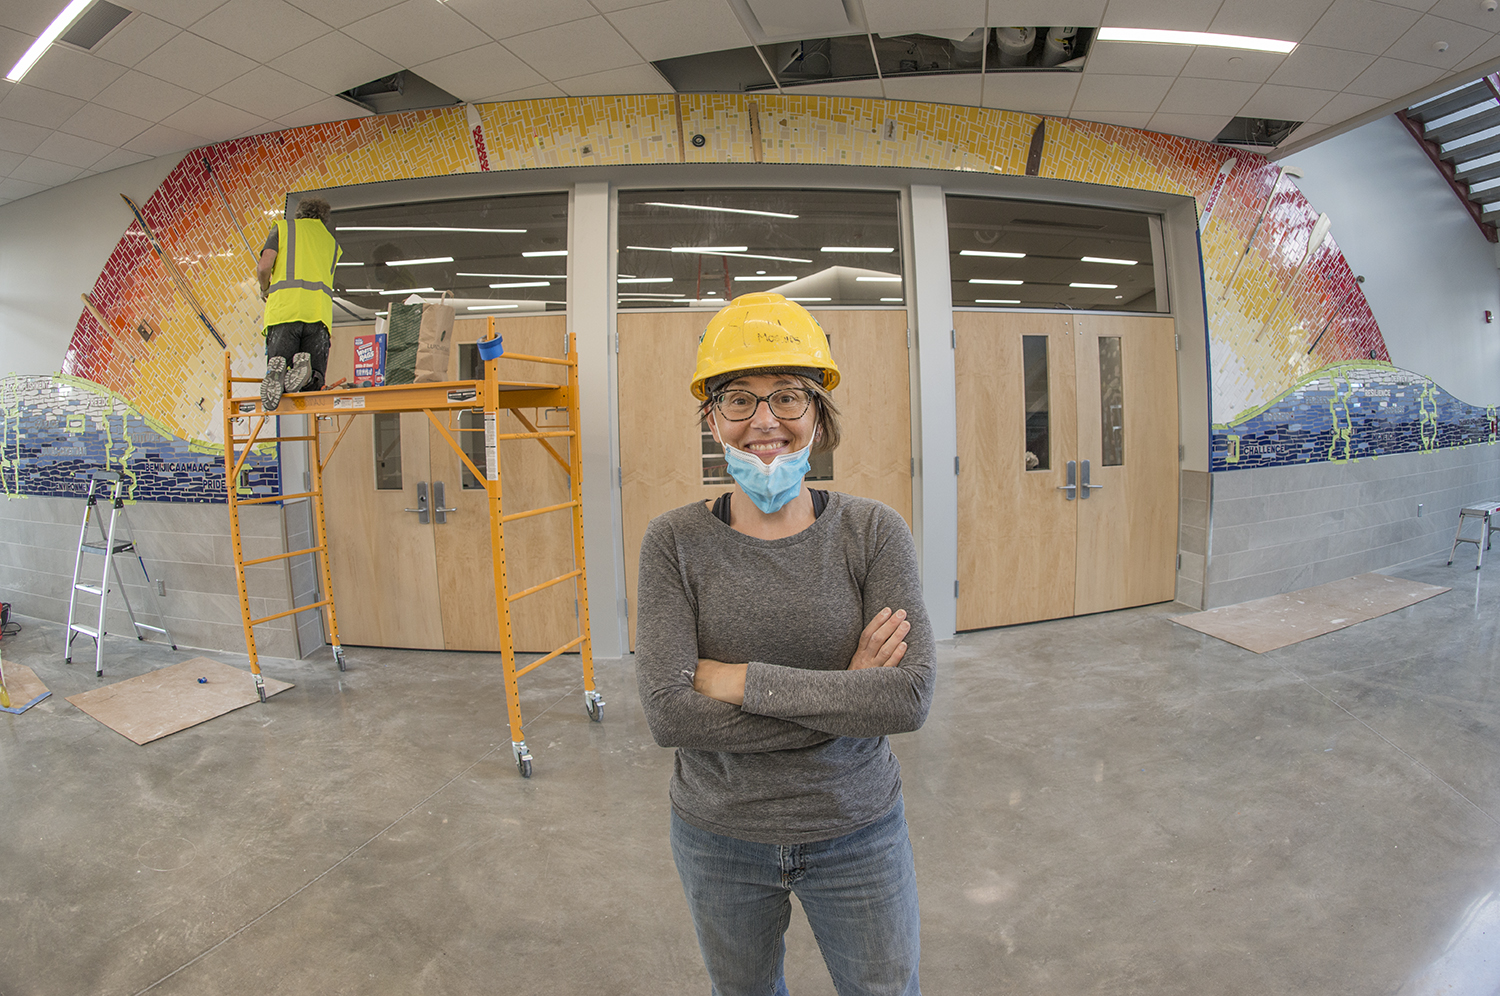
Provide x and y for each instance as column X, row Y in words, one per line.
column 178, row 74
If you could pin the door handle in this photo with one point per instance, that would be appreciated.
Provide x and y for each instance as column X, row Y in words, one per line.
column 1084, row 484
column 437, row 502
column 1070, row 487
column 421, row 508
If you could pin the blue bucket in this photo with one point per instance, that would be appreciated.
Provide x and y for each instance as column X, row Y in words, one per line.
column 491, row 349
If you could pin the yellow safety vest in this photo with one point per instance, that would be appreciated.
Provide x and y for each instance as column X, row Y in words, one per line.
column 302, row 277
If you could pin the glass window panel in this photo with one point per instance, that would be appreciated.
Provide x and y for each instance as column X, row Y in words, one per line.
column 1111, row 402
column 1038, row 454
column 1029, row 254
column 473, row 447
column 470, row 366
column 484, row 250
column 698, row 248
column 387, row 451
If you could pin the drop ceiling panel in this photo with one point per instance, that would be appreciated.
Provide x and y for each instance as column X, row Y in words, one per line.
column 1204, row 127
column 416, row 31
column 341, row 12
column 1321, row 68
column 1184, row 15
column 1469, row 12
column 1221, row 97
column 327, row 109
column 28, row 18
column 335, row 63
column 1126, row 119
column 476, row 74
column 195, row 63
column 580, row 48
column 508, row 18
column 843, row 88
column 36, row 106
column 1232, row 64
column 74, row 73
column 145, row 96
column 1419, row 44
column 11, row 190
column 1392, row 78
column 264, row 29
column 899, row 17
column 539, row 92
column 1346, row 105
column 20, row 137
column 72, row 150
column 1132, row 59
column 1138, row 94
column 961, row 89
column 114, row 128
column 1418, row 5
column 821, row 18
column 117, row 159
column 1033, row 13
column 183, row 13
column 1306, row 130
column 640, row 78
column 1486, row 53
column 1361, row 26
column 160, row 140
column 44, row 171
column 679, row 27
column 13, row 45
column 1286, row 103
column 9, row 161
column 136, row 38
column 213, row 120
column 1037, row 93
column 267, row 93
column 610, row 6
column 1288, row 20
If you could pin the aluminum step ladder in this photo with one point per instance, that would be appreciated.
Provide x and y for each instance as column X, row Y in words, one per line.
column 111, row 545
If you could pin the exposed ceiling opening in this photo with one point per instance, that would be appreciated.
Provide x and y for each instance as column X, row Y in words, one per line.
column 403, row 91
column 1257, row 133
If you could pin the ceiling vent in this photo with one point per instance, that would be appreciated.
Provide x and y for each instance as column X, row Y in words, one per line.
column 95, row 24
column 1260, row 133
column 403, row 91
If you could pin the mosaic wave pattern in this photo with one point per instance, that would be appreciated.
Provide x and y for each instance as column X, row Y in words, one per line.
column 1352, row 411
column 55, row 430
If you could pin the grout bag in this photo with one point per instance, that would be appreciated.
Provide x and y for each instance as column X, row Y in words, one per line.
column 419, row 341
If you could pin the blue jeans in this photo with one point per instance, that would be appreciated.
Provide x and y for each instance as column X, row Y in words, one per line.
column 859, row 892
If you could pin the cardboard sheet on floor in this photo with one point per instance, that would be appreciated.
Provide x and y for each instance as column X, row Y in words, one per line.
column 24, row 688
column 1281, row 620
column 150, row 706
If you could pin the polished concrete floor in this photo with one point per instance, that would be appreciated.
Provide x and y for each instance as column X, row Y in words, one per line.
column 1110, row 804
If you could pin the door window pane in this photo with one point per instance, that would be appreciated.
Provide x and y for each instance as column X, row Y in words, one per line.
column 1028, row 254
column 387, row 451
column 471, row 438
column 1111, row 402
column 1038, row 454
column 699, row 248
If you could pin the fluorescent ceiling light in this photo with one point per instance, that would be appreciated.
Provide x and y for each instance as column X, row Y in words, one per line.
column 1001, row 255
column 995, row 300
column 1096, row 286
column 809, row 299
column 351, row 264
column 545, row 252
column 706, row 207
column 722, row 252
column 409, row 290
column 657, row 297
column 1162, row 36
column 362, row 290
column 877, row 280
column 518, row 276
column 895, row 299
column 643, row 280
column 856, row 249
column 491, row 307
column 59, row 24
column 710, row 250
column 981, row 280
column 1106, row 259
column 419, row 262
column 426, row 228
column 524, row 283
column 767, row 280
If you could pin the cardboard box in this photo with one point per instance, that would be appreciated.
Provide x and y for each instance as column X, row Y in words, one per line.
column 369, row 359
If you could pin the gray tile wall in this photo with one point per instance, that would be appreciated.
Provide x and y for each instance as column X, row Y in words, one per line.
column 187, row 546
column 1194, row 491
column 1286, row 528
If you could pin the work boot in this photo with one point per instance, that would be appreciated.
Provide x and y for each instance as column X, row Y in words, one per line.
column 274, row 384
column 301, row 373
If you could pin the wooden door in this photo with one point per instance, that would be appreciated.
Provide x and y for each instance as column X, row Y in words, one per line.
column 1064, row 388
column 661, row 442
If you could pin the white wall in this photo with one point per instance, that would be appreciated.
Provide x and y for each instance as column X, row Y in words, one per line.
column 52, row 247
column 1430, row 275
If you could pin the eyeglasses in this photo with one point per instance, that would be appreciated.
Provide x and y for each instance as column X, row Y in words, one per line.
column 787, row 404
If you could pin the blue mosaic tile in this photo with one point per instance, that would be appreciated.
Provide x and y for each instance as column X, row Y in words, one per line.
column 54, row 431
column 1349, row 412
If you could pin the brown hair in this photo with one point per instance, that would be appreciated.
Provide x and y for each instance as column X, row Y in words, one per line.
column 828, row 415
column 313, row 207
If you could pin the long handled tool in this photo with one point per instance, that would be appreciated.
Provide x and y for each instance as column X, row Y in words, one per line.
column 174, row 273
column 4, row 695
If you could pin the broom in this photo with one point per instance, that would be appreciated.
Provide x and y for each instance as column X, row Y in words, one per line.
column 4, row 695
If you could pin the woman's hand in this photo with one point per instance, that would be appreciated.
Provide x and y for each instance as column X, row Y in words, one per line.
column 880, row 645
column 717, row 680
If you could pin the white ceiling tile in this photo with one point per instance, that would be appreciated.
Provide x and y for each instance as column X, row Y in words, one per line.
column 1469, row 12
column 1205, row 127
column 507, row 18
column 144, row 96
column 1418, row 5
column 416, row 31
column 539, row 92
column 1488, row 52
column 899, row 17
column 675, row 28
column 28, row 18
column 1321, row 68
column 1125, row 119
column 75, row 73
column 36, row 106
column 1102, row 92
column 1419, row 44
column 1288, row 20
column 105, row 125
column 335, row 63
column 13, row 45
column 640, row 78
column 1183, row 15
column 610, row 6
column 213, row 120
column 9, row 161
column 341, row 12
column 35, row 170
column 569, row 50
column 479, row 72
column 195, row 63
column 14, row 190
column 957, row 89
column 137, row 38
column 1189, row 96
column 1286, row 103
column 1047, row 13
column 1392, row 78
column 1361, row 26
column 1037, row 93
column 263, row 29
column 119, row 158
column 1344, row 106
column 159, row 140
column 182, row 13
column 1132, row 59
column 1232, row 64
column 842, row 88
column 267, row 94
column 1305, row 130
column 72, row 150
column 325, row 110
column 17, row 136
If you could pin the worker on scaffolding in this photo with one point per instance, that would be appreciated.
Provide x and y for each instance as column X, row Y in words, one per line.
column 781, row 638
column 296, row 271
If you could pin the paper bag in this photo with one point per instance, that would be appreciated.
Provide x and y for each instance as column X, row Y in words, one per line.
column 434, row 342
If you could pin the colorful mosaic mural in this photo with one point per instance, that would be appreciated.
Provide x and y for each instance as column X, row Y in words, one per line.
column 1282, row 302
column 55, row 430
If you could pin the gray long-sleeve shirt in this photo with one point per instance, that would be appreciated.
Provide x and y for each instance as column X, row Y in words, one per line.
column 806, row 757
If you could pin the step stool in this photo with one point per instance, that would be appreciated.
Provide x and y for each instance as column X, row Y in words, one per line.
column 1488, row 514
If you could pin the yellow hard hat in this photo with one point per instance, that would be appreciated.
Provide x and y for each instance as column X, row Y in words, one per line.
column 759, row 331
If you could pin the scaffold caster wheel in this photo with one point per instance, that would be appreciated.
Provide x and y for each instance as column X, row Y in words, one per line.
column 338, row 655
column 524, row 766
column 593, row 704
column 261, row 690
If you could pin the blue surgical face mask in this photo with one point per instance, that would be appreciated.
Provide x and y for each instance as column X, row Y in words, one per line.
column 769, row 485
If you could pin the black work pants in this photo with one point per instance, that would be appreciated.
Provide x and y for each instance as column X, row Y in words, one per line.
column 290, row 338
